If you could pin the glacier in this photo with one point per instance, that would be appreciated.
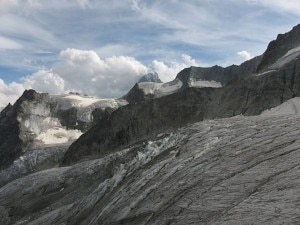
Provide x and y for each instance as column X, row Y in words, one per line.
column 223, row 171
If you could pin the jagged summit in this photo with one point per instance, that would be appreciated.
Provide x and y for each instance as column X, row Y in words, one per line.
column 150, row 77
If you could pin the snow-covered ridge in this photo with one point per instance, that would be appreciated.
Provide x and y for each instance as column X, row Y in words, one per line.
column 65, row 102
column 163, row 89
column 41, row 118
column 85, row 104
column 160, row 89
column 168, row 88
column 291, row 106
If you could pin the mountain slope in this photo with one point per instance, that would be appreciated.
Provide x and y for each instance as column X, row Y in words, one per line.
column 37, row 130
column 229, row 171
column 198, row 77
column 247, row 95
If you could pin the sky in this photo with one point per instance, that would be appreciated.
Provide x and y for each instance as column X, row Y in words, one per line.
column 102, row 47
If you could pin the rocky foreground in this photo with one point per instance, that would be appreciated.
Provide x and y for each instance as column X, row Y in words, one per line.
column 240, row 170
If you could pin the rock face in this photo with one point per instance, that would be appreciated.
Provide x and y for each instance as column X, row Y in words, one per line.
column 280, row 47
column 218, row 73
column 240, row 170
column 14, row 138
column 37, row 130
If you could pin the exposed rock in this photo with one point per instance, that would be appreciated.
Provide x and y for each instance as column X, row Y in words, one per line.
column 240, row 170
column 4, row 217
column 249, row 95
column 13, row 137
column 280, row 47
column 218, row 73
column 199, row 77
column 39, row 119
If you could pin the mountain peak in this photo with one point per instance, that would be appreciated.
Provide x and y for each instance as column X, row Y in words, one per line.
column 280, row 47
column 150, row 77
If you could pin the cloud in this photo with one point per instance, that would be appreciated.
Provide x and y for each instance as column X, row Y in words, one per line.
column 291, row 6
column 6, row 43
column 168, row 71
column 42, row 81
column 84, row 3
column 9, row 92
column 86, row 72
column 45, row 81
column 7, row 5
column 245, row 55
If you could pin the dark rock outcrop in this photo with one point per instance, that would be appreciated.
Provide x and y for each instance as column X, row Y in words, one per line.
column 14, row 137
column 137, row 94
column 280, row 47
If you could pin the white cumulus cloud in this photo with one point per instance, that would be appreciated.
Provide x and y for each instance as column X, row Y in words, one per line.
column 45, row 81
column 168, row 71
column 245, row 55
column 86, row 72
column 9, row 92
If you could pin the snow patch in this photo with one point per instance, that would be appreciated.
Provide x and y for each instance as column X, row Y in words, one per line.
column 58, row 135
column 149, row 88
column 263, row 73
column 76, row 101
column 85, row 104
column 204, row 83
column 288, row 57
column 291, row 106
column 168, row 88
column 160, row 89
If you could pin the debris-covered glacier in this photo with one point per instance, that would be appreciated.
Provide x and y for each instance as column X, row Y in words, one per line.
column 239, row 170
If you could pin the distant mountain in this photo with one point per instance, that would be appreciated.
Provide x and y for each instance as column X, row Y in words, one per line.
column 246, row 93
column 194, row 76
column 214, row 146
column 150, row 77
column 39, row 120
column 198, row 77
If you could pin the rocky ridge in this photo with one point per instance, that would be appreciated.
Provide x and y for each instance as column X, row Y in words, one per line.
column 153, row 162
column 247, row 95
column 37, row 130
